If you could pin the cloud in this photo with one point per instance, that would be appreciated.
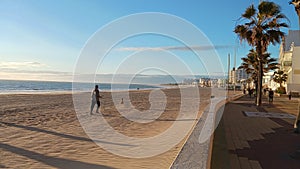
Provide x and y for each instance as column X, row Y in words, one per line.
column 21, row 65
column 35, row 76
column 181, row 48
column 31, row 71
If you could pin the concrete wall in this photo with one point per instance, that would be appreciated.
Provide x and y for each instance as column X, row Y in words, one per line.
column 294, row 76
column 292, row 37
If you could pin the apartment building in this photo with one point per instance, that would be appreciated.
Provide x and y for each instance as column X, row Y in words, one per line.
column 289, row 59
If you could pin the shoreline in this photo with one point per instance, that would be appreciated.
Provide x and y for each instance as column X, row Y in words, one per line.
column 32, row 92
column 38, row 87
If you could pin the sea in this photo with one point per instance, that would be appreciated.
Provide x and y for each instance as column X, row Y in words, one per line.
column 20, row 86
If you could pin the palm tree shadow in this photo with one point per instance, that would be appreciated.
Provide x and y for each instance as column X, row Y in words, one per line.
column 278, row 147
column 63, row 135
column 52, row 161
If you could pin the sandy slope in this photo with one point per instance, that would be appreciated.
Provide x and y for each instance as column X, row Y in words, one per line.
column 42, row 131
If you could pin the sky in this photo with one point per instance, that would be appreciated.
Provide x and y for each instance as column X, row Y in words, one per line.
column 45, row 40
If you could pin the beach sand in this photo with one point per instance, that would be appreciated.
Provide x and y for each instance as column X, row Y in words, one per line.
column 42, row 131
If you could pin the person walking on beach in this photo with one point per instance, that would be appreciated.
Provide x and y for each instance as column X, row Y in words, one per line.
column 95, row 99
column 271, row 95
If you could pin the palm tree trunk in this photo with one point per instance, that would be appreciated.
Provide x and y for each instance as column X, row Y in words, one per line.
column 259, row 83
column 256, row 87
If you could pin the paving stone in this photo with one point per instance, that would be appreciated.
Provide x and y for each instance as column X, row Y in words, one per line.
column 242, row 130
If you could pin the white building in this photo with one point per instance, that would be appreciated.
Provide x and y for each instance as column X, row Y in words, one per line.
column 289, row 59
column 221, row 83
column 232, row 76
column 238, row 75
column 241, row 75
column 268, row 81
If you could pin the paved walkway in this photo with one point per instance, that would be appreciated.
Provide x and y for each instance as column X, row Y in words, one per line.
column 243, row 142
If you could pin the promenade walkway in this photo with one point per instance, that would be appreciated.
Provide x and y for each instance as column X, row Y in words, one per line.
column 250, row 137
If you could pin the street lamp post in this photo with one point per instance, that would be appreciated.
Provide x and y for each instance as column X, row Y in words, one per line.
column 228, row 72
column 234, row 70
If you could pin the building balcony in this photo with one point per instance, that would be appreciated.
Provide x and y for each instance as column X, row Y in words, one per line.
column 287, row 63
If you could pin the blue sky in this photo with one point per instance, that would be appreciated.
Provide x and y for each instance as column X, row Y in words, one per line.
column 44, row 38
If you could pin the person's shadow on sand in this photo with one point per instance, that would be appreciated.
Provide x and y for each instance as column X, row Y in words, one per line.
column 52, row 161
column 63, row 135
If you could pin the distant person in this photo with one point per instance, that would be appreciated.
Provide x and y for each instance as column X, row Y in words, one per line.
column 95, row 99
column 254, row 92
column 265, row 91
column 244, row 91
column 271, row 96
column 249, row 92
column 290, row 95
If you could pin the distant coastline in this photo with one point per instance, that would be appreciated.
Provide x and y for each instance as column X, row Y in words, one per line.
column 32, row 87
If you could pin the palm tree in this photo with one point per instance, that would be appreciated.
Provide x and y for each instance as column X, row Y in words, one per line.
column 280, row 77
column 261, row 28
column 296, row 4
column 251, row 63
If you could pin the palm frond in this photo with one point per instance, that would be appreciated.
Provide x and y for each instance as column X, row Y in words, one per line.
column 250, row 12
column 268, row 9
column 275, row 36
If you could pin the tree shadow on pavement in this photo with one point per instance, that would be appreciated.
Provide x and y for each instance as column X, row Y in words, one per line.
column 276, row 150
